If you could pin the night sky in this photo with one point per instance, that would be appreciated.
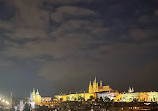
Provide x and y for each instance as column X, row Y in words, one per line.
column 60, row 45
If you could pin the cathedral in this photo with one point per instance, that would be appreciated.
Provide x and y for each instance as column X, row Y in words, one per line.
column 95, row 87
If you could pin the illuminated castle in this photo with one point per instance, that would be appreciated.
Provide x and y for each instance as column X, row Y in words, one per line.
column 95, row 90
column 98, row 87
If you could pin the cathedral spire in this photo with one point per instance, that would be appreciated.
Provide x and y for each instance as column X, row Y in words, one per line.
column 33, row 91
column 132, row 89
column 101, row 84
column 95, row 80
column 90, row 88
column 90, row 83
column 37, row 92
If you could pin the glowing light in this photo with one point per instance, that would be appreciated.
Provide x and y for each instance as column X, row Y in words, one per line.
column 3, row 100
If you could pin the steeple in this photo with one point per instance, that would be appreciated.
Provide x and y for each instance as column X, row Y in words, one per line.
column 90, row 88
column 33, row 93
column 132, row 89
column 31, row 97
column 101, row 84
column 37, row 92
column 90, row 83
column 97, row 87
column 95, row 80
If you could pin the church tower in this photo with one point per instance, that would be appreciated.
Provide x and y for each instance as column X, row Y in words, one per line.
column 31, row 101
column 95, row 85
column 34, row 95
column 38, row 98
column 131, row 90
column 101, row 84
column 90, row 88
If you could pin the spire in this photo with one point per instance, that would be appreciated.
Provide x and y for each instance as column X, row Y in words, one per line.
column 31, row 97
column 90, row 88
column 95, row 80
column 101, row 84
column 132, row 89
column 90, row 84
column 97, row 87
column 129, row 90
column 37, row 92
column 33, row 91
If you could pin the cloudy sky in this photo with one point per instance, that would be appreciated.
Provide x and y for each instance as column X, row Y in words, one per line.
column 60, row 45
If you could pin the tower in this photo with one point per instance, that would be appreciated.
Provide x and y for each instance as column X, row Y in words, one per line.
column 95, row 85
column 31, row 101
column 37, row 98
column 101, row 84
column 132, row 90
column 90, row 88
column 21, row 105
column 33, row 94
column 129, row 90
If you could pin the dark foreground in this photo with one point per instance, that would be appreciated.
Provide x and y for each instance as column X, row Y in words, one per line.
column 109, row 106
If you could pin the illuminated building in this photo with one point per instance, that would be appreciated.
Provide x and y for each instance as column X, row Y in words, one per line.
column 137, row 96
column 110, row 95
column 98, row 87
column 46, row 99
column 75, row 97
column 95, row 90
column 31, row 101
column 36, row 99
column 130, row 90
column 98, row 90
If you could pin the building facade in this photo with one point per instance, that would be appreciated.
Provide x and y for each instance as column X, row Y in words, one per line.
column 36, row 99
column 137, row 97
column 96, row 90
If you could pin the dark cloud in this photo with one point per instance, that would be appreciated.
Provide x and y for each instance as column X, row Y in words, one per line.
column 64, row 42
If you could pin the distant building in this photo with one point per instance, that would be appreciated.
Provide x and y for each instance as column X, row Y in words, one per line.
column 137, row 97
column 36, row 99
column 130, row 90
column 31, row 101
column 95, row 91
column 95, row 87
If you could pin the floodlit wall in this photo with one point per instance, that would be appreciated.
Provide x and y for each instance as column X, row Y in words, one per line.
column 75, row 97
column 138, row 96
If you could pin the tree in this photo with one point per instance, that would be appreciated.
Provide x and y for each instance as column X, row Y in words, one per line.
column 91, row 97
column 11, row 109
column 106, row 99
column 96, row 100
column 135, row 100
column 61, row 99
column 27, row 107
column 67, row 98
column 101, row 99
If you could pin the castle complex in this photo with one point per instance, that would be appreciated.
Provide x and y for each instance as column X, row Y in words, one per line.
column 97, row 90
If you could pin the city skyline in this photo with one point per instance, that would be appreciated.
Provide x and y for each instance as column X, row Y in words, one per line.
column 59, row 46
